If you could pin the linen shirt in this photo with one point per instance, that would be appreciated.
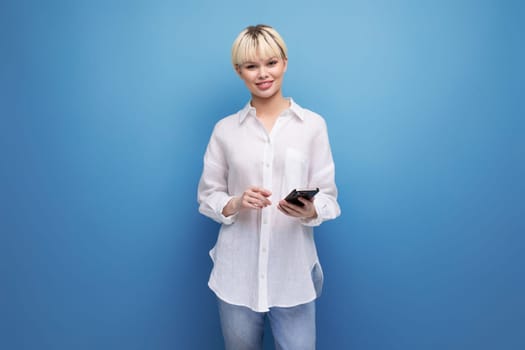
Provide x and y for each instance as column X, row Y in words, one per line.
column 262, row 257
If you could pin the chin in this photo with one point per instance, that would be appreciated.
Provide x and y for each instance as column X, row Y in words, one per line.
column 265, row 94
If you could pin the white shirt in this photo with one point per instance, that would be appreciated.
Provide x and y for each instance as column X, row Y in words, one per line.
column 264, row 258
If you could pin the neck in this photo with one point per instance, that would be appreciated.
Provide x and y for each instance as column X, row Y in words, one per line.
column 270, row 107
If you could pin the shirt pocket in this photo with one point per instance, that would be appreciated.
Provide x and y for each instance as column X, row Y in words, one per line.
column 295, row 170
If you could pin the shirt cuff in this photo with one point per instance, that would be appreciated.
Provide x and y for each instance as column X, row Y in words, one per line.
column 226, row 220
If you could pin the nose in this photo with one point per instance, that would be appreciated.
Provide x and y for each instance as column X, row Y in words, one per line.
column 263, row 73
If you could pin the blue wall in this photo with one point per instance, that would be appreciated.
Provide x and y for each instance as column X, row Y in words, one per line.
column 106, row 109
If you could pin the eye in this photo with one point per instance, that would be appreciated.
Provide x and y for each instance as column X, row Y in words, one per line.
column 273, row 62
column 250, row 66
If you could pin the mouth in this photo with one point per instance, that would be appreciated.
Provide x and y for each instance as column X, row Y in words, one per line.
column 264, row 85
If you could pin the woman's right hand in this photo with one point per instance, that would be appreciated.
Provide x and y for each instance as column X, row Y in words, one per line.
column 252, row 198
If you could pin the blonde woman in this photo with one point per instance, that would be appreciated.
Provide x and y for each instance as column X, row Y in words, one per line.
column 265, row 262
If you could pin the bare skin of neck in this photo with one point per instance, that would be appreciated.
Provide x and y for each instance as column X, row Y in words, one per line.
column 269, row 109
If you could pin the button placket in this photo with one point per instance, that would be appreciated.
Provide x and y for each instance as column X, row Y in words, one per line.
column 265, row 227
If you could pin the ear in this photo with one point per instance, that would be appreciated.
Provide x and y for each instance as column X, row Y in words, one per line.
column 285, row 62
column 237, row 69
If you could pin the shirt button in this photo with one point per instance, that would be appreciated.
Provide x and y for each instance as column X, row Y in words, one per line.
column 267, row 165
column 264, row 250
column 262, row 277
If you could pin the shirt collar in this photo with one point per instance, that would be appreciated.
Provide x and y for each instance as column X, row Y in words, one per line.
column 294, row 109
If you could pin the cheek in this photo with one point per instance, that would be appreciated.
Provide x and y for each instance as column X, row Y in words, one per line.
column 279, row 73
column 248, row 78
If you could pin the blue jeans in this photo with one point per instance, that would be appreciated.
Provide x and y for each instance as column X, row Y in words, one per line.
column 293, row 328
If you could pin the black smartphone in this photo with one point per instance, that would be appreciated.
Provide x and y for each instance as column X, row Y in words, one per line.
column 296, row 193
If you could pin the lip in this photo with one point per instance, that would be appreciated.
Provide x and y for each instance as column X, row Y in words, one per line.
column 265, row 85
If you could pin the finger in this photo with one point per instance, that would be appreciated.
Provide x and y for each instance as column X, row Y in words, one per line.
column 308, row 210
column 263, row 191
column 266, row 202
column 289, row 209
column 266, row 193
column 291, row 206
column 286, row 204
column 250, row 202
column 282, row 209
column 263, row 201
column 305, row 201
column 289, row 212
column 258, row 202
column 308, row 204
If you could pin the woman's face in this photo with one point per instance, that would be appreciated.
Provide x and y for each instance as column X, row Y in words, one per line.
column 263, row 77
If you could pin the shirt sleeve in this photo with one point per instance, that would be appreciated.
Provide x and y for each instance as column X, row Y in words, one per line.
column 213, row 193
column 322, row 170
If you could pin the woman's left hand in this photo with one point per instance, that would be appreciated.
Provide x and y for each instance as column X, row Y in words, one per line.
column 306, row 212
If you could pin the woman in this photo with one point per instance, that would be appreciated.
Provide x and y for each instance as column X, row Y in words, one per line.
column 265, row 259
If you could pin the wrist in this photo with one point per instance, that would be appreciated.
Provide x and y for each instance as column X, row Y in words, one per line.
column 311, row 217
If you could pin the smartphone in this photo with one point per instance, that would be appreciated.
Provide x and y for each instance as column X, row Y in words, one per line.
column 296, row 193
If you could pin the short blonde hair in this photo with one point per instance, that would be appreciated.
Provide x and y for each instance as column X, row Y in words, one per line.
column 260, row 41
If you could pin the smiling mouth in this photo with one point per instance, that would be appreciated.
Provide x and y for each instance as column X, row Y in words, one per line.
column 264, row 85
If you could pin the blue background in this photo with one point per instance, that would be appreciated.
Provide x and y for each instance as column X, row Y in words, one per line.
column 106, row 109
